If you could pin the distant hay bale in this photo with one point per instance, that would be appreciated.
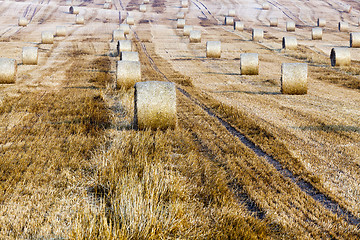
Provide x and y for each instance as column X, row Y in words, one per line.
column 316, row 33
column 180, row 23
column 142, row 8
column 60, row 31
column 187, row 29
column 257, row 34
column 130, row 20
column 289, row 43
column 155, row 105
column 127, row 73
column 129, row 56
column 146, row 1
column 195, row 36
column 290, row 26
column 229, row 21
column 125, row 27
column 118, row 35
column 231, row 13
column 8, row 68
column 340, row 56
column 108, row 1
column 343, row 27
column 347, row 8
column 74, row 10
column 265, row 6
column 124, row 45
column 184, row 3
column 294, row 78
column 321, row 22
column 249, row 64
column 107, row 5
column 180, row 15
column 30, row 55
column 213, row 49
column 79, row 19
column 355, row 39
column 273, row 22
column 47, row 37
column 239, row 26
column 23, row 22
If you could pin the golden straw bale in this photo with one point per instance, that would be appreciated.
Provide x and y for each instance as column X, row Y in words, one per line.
column 294, row 78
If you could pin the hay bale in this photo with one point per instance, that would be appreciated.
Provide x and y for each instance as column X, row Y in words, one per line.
column 74, row 10
column 321, row 22
column 180, row 23
column 343, row 27
column 187, row 29
column 289, row 43
column 118, row 35
column 229, row 21
column 129, row 56
column 8, row 68
column 180, row 15
column 184, row 3
column 107, row 5
column 124, row 45
column 47, row 37
column 294, row 78
column 130, row 20
column 290, row 26
column 355, row 39
column 249, row 64
column 125, row 27
column 316, row 33
column 127, row 73
column 146, row 1
column 195, row 36
column 23, row 22
column 213, row 49
column 231, row 13
column 265, row 6
column 340, row 57
column 347, row 8
column 155, row 105
column 274, row 22
column 30, row 55
column 142, row 8
column 239, row 26
column 60, row 31
column 257, row 34
column 79, row 19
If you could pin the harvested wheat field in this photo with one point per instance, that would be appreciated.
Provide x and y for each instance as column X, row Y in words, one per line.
column 217, row 153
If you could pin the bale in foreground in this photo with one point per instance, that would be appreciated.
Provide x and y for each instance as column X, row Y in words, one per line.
column 155, row 105
column 249, row 64
column 343, row 26
column 355, row 39
column 8, row 69
column 127, row 74
column 290, row 26
column 316, row 33
column 213, row 49
column 289, row 43
column 239, row 26
column 257, row 34
column 321, row 22
column 47, row 37
column 340, row 57
column 229, row 21
column 294, row 78
column 30, row 55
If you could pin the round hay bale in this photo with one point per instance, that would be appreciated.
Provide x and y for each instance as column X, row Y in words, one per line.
column 231, row 13
column 187, row 29
column 195, row 36
column 249, row 64
column 118, row 35
column 129, row 56
column 290, row 26
column 180, row 23
column 343, row 27
column 74, row 10
column 294, row 78
column 340, row 57
column 23, row 22
column 155, row 105
column 125, row 27
column 47, row 37
column 146, row 1
column 30, row 55
column 127, row 73
column 274, row 22
column 184, row 3
column 257, row 34
column 239, row 26
column 130, row 20
column 142, row 8
column 289, row 43
column 124, row 45
column 347, row 8
column 265, row 6
column 355, row 39
column 79, row 19
column 180, row 15
column 321, row 22
column 229, row 21
column 60, row 31
column 213, row 49
column 108, row 1
column 8, row 68
column 107, row 5
column 316, row 33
